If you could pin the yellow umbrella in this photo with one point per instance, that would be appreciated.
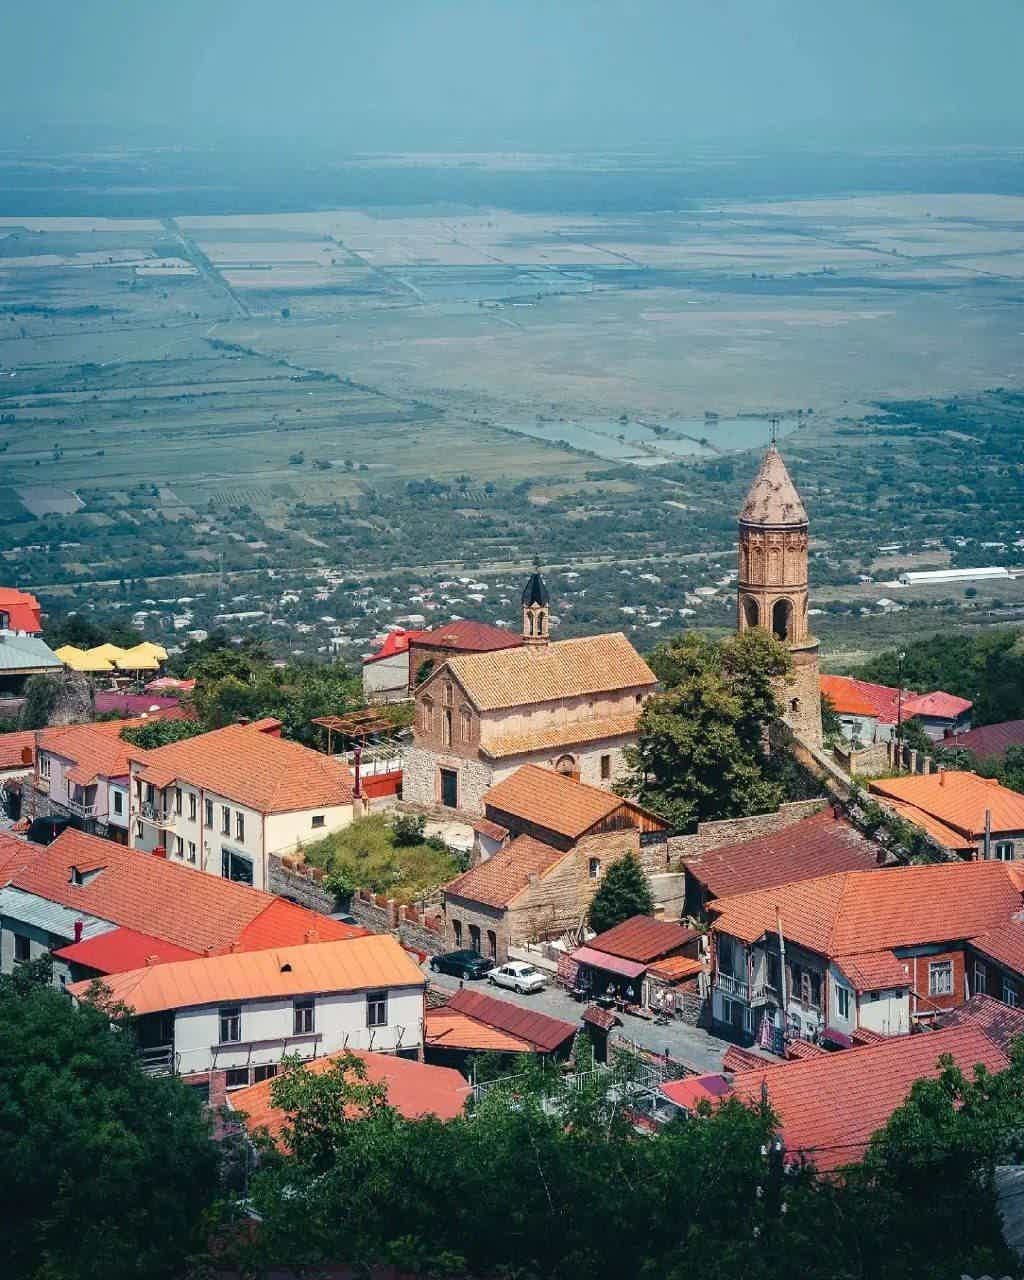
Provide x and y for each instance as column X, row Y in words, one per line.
column 154, row 650
column 109, row 651
column 89, row 661
column 137, row 659
column 68, row 653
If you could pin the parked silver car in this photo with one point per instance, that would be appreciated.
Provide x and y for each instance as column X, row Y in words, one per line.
column 517, row 976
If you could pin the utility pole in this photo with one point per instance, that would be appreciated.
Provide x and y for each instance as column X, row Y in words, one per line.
column 900, row 659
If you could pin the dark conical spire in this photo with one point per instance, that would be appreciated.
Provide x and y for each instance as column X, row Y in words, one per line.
column 535, row 591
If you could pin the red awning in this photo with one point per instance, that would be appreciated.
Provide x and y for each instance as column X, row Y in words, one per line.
column 610, row 964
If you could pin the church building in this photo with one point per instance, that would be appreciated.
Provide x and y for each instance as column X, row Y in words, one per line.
column 567, row 705
column 773, row 587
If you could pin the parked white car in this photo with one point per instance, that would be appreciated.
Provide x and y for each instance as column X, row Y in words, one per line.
column 518, row 977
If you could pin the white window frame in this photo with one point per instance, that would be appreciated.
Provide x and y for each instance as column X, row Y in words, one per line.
column 118, row 802
column 376, row 1002
column 980, row 978
column 1009, row 993
column 239, row 826
column 192, row 852
column 842, row 1002
column 1004, row 850
column 940, row 969
column 44, row 765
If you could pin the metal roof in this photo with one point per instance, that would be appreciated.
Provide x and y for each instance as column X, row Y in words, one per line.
column 28, row 908
column 26, row 653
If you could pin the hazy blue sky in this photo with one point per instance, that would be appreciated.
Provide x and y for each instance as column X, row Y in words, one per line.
column 478, row 73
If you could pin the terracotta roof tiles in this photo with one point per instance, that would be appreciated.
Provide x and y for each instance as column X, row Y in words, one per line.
column 468, row 636
column 503, row 876
column 642, row 938
column 845, row 696
column 530, row 674
column 566, row 734
column 254, row 768
column 119, row 950
column 959, row 799
column 1000, row 1022
column 1004, row 945
column 538, row 1029
column 447, row 1029
column 552, row 801
column 991, row 741
column 13, row 747
column 95, row 750
column 354, row 964
column 875, row 971
column 938, row 706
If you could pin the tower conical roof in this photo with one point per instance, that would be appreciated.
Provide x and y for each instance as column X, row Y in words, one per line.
column 773, row 498
column 535, row 591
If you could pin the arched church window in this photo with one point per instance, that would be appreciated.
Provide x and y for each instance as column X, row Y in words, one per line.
column 751, row 612
column 756, row 564
column 782, row 617
column 427, row 714
column 794, row 704
column 566, row 765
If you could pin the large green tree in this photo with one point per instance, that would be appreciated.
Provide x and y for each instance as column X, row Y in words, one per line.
column 110, row 1172
column 700, row 753
column 623, row 892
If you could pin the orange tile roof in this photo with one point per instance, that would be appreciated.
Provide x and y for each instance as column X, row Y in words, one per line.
column 539, row 1030
column 552, row 801
column 875, row 971
column 845, row 697
column 1000, row 1022
column 1004, row 945
column 253, row 768
column 675, row 968
column 959, row 799
column 566, row 734
column 861, row 911
column 506, row 873
column 13, row 747
column 180, row 904
column 447, row 1029
column 95, row 750
column 547, row 673
column 814, row 846
column 14, row 854
column 946, row 836
column 354, row 964
column 414, row 1089
column 829, row 1106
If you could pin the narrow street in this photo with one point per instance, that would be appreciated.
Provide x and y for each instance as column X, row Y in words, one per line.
column 692, row 1046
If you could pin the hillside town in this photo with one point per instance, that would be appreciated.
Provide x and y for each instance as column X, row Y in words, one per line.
column 817, row 957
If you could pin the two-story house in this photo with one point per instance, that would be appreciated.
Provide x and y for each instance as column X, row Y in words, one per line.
column 82, row 772
column 542, row 848
column 570, row 706
column 227, row 801
column 100, row 908
column 242, row 1013
column 974, row 816
column 881, row 950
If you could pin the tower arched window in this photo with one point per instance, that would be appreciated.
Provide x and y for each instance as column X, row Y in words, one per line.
column 751, row 612
column 782, row 619
column 566, row 765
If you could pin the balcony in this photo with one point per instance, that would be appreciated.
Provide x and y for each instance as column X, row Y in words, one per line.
column 148, row 811
column 765, row 993
column 81, row 808
column 159, row 1061
column 737, row 988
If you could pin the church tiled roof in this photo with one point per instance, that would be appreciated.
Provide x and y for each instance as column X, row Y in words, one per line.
column 773, row 499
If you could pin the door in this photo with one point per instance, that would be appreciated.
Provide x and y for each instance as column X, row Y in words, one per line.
column 449, row 788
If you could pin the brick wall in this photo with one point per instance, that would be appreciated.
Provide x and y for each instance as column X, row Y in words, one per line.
column 919, row 975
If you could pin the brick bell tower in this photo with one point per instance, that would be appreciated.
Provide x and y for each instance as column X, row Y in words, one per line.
column 536, row 608
column 773, row 586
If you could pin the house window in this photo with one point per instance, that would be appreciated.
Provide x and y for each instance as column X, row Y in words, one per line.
column 192, row 852
column 237, row 1077
column 376, row 1008
column 177, row 800
column 606, row 768
column 302, row 1017
column 474, row 938
column 940, row 978
column 22, row 949
column 44, row 766
column 225, row 820
column 118, row 799
column 235, row 866
column 179, row 846
column 639, row 699
column 457, row 934
column 318, row 819
column 209, row 814
column 492, row 944
column 446, row 696
column 230, row 1024
column 465, row 724
column 594, row 868
column 138, row 831
column 427, row 714
column 265, row 1072
column 1009, row 993
column 1004, row 851
column 446, row 727
column 980, row 976
column 240, row 827
column 192, row 806
column 843, row 1003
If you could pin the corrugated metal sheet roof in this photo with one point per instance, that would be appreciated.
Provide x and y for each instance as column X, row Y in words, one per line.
column 643, row 938
column 27, row 908
column 26, row 653
column 537, row 1028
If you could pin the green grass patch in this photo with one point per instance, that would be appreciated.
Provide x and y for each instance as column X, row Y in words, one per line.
column 369, row 855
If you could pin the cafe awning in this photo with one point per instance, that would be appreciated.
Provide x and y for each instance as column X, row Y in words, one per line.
column 608, row 963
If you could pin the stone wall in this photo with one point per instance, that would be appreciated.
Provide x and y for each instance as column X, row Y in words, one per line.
column 872, row 759
column 417, row 927
column 421, row 784
column 712, row 835
column 299, row 882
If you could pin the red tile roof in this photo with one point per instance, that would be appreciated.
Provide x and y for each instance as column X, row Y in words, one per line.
column 937, row 706
column 737, row 1059
column 693, row 1090
column 797, row 1050
column 882, row 697
column 123, row 949
column 875, row 971
column 14, row 854
column 1004, row 945
column 864, row 911
column 845, row 697
column 958, row 799
column 538, row 1029
column 815, row 846
column 414, row 1089
column 1000, row 1022
column 603, row 1019
column 830, row 1106
column 95, row 750
column 13, row 747
column 675, row 968
column 22, row 609
column 991, row 741
column 484, row 827
column 394, row 642
column 643, row 938
column 467, row 636
column 254, row 767
column 181, row 905
column 353, row 964
column 504, row 875
column 931, row 826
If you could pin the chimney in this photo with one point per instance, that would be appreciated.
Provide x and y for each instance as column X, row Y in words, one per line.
column 151, row 961
column 942, row 776
column 837, row 811
column 79, row 929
